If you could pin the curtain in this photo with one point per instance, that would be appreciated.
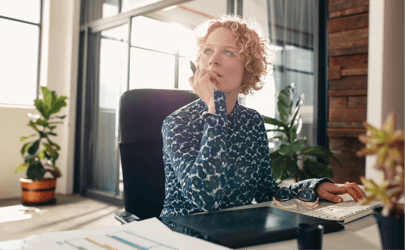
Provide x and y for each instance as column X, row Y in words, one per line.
column 291, row 26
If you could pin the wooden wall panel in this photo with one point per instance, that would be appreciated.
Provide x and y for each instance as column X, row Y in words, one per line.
column 348, row 144
column 348, row 39
column 351, row 170
column 349, row 61
column 348, row 12
column 349, row 82
column 341, row 5
column 348, row 23
column 347, row 77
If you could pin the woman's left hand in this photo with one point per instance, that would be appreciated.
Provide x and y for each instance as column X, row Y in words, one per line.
column 329, row 191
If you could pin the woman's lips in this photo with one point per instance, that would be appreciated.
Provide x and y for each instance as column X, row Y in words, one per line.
column 214, row 80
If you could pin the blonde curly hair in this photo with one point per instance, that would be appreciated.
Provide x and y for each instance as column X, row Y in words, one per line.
column 253, row 49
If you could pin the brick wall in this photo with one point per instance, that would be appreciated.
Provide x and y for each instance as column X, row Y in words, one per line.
column 347, row 76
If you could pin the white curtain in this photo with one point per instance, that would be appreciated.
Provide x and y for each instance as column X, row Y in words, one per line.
column 291, row 26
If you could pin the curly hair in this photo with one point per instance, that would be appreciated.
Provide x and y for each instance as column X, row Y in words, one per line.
column 253, row 50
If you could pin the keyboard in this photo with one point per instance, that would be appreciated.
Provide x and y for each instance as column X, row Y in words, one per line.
column 344, row 212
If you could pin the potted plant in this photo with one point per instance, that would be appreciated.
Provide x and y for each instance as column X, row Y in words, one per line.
column 387, row 144
column 293, row 150
column 41, row 153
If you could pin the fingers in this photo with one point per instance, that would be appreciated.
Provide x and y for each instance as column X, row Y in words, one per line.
column 324, row 194
column 329, row 191
column 358, row 192
column 353, row 194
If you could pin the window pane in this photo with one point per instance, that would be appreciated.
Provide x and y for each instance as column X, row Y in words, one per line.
column 153, row 34
column 97, row 9
column 110, row 8
column 291, row 26
column 18, row 62
column 27, row 10
column 128, row 5
column 113, row 66
column 184, row 73
column 187, row 43
column 151, row 70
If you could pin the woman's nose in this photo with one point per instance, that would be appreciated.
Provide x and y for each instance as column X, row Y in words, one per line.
column 215, row 59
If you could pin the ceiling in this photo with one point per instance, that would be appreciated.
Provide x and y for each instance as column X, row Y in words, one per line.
column 192, row 13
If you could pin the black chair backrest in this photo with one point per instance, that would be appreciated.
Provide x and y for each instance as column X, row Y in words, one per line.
column 141, row 114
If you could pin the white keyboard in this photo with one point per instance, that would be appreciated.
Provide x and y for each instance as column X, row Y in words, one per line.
column 344, row 212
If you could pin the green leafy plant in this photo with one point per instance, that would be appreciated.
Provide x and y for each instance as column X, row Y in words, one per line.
column 387, row 144
column 41, row 153
column 292, row 149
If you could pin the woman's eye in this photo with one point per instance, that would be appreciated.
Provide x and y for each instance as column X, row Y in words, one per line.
column 228, row 53
column 207, row 51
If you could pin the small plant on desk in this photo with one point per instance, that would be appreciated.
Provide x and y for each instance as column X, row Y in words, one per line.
column 388, row 145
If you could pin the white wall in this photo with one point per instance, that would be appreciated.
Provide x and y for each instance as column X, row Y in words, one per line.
column 385, row 91
column 58, row 71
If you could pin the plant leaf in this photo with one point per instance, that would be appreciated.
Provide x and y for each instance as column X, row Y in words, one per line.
column 273, row 121
column 321, row 152
column 22, row 167
column 42, row 122
column 39, row 104
column 49, row 149
column 25, row 147
column 35, row 171
column 316, row 168
column 33, row 149
column 33, row 125
column 298, row 145
column 284, row 103
column 286, row 149
column 58, row 104
column 42, row 134
column 48, row 97
column 293, row 133
column 53, row 144
column 41, row 154
column 23, row 138
column 282, row 166
column 297, row 109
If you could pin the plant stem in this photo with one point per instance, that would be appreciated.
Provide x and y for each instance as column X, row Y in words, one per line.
column 295, row 160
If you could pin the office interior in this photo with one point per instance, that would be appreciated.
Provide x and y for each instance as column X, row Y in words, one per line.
column 62, row 68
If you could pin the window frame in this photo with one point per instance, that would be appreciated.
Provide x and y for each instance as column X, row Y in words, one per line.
column 39, row 25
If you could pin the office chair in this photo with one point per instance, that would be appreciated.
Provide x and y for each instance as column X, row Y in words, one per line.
column 141, row 115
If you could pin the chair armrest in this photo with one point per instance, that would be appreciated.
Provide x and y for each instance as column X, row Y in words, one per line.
column 125, row 217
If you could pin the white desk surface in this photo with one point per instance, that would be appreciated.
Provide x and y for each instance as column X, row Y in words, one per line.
column 359, row 234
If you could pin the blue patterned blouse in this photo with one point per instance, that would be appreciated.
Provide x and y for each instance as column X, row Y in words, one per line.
column 217, row 161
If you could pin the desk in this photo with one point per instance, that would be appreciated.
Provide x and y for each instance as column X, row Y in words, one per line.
column 359, row 234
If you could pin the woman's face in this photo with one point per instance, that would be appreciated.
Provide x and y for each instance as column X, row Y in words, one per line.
column 220, row 56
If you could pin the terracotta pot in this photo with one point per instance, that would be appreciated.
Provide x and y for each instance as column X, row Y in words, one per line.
column 391, row 230
column 38, row 192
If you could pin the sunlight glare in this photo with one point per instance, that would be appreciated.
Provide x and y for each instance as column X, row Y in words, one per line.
column 17, row 212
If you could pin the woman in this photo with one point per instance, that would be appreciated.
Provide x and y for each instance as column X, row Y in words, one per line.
column 216, row 152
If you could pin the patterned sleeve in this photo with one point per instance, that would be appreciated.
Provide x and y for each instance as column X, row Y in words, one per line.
column 268, row 188
column 200, row 163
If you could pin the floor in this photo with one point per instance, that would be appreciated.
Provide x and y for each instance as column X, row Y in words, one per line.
column 71, row 212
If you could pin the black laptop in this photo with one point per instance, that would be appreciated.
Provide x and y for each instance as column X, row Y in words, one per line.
column 247, row 227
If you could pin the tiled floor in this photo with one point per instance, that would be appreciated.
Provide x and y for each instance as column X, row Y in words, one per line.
column 71, row 212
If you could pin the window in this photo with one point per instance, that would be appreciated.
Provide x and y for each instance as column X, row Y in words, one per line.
column 158, row 57
column 20, row 29
column 292, row 29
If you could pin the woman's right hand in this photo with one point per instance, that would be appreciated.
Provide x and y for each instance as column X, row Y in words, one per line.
column 203, row 85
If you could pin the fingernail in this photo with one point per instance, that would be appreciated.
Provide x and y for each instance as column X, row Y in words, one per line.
column 339, row 200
